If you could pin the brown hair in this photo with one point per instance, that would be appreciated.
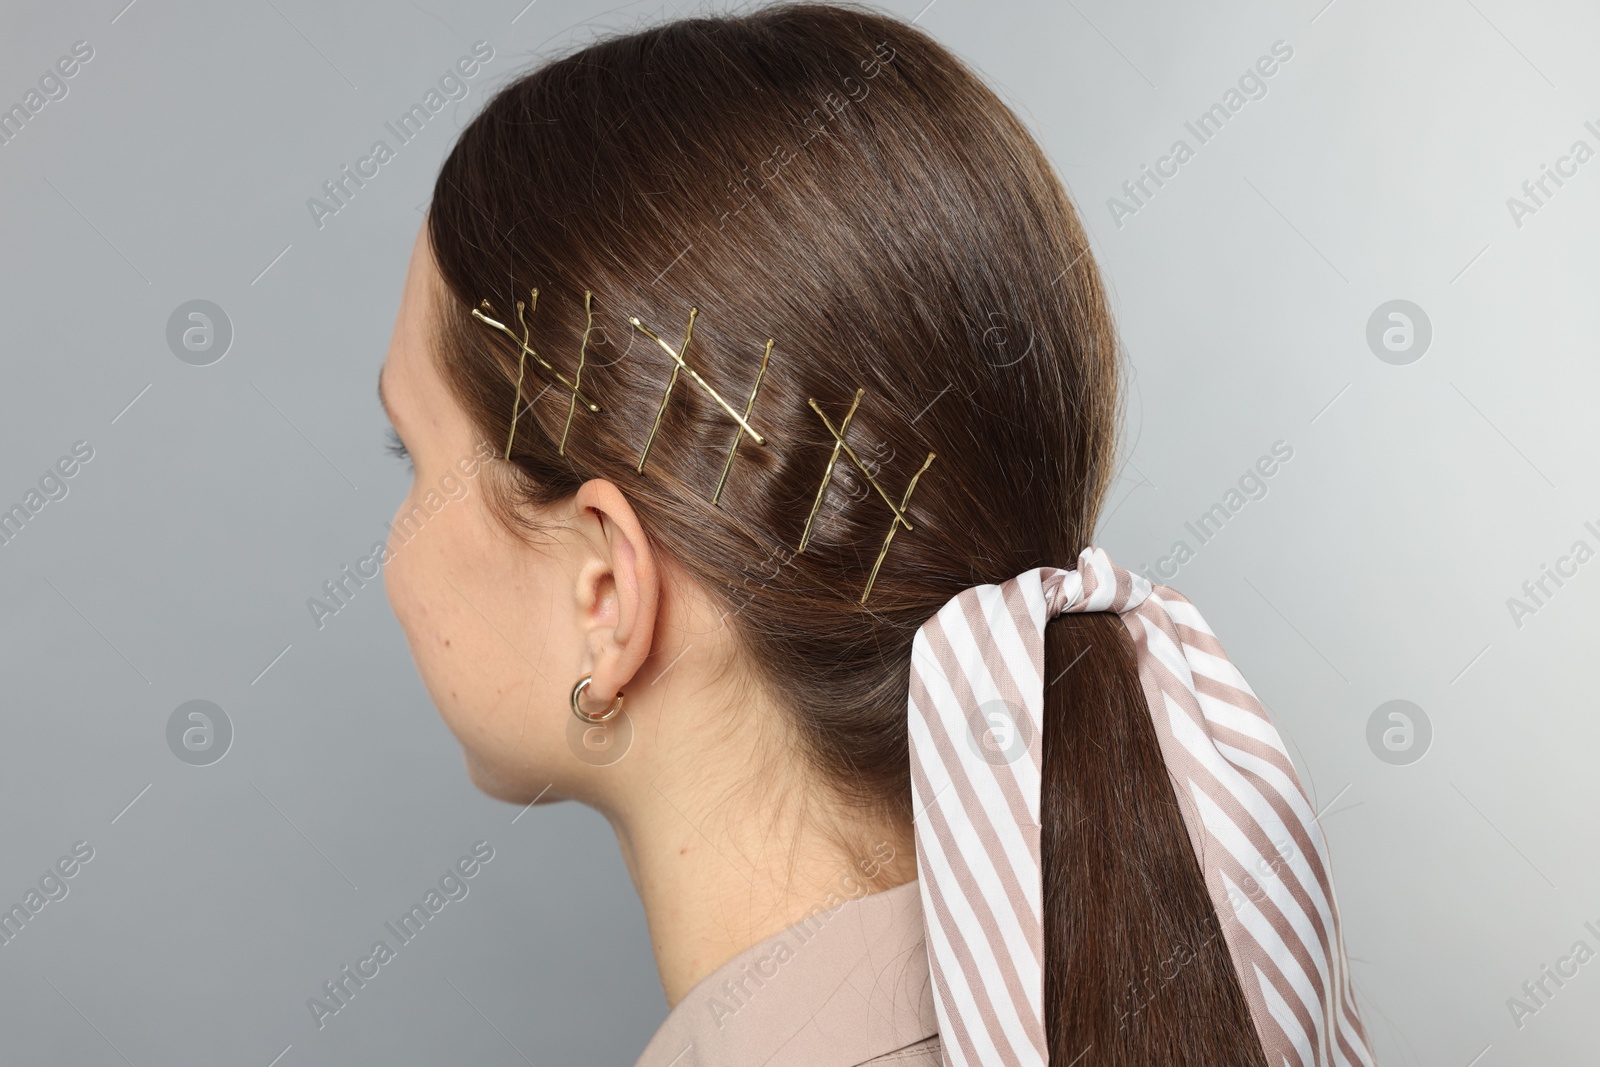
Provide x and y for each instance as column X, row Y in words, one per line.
column 836, row 180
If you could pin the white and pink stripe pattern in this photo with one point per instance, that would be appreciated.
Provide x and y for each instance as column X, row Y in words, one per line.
column 976, row 719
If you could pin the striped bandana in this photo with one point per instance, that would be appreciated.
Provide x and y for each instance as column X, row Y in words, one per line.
column 975, row 717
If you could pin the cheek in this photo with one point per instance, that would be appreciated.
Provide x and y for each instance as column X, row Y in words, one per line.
column 466, row 617
column 490, row 640
column 399, row 578
column 418, row 584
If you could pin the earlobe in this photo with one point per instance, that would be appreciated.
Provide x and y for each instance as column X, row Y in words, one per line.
column 624, row 573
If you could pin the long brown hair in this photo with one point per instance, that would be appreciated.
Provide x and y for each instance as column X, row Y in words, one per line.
column 836, row 180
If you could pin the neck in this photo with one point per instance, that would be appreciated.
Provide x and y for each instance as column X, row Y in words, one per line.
column 721, row 866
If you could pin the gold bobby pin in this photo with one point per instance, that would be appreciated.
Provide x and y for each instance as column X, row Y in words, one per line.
column 899, row 512
column 679, row 364
column 827, row 475
column 522, row 367
column 672, row 381
column 524, row 351
column 572, row 403
column 738, row 434
column 884, row 551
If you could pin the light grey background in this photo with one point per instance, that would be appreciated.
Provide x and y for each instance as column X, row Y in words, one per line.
column 1378, row 566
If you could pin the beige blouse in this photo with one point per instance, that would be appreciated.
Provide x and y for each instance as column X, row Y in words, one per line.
column 839, row 989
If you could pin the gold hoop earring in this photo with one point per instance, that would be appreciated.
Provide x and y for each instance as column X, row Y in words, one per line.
column 577, row 708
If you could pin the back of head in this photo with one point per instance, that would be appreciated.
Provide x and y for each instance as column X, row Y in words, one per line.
column 836, row 181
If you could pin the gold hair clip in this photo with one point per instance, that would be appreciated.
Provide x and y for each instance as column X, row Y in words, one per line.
column 827, row 475
column 583, row 346
column 738, row 434
column 522, row 363
column 680, row 365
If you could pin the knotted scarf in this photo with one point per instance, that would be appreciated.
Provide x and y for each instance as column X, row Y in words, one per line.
column 976, row 732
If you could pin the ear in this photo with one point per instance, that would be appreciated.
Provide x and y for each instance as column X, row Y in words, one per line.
column 618, row 589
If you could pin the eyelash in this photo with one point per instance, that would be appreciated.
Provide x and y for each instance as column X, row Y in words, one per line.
column 397, row 447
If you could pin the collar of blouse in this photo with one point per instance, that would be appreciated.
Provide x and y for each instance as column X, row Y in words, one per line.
column 835, row 990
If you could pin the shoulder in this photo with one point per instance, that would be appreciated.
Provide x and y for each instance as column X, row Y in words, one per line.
column 925, row 1053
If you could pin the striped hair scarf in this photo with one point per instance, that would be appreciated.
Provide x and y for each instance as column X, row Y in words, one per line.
column 976, row 719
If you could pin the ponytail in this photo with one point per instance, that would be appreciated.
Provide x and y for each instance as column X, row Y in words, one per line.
column 1136, row 970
